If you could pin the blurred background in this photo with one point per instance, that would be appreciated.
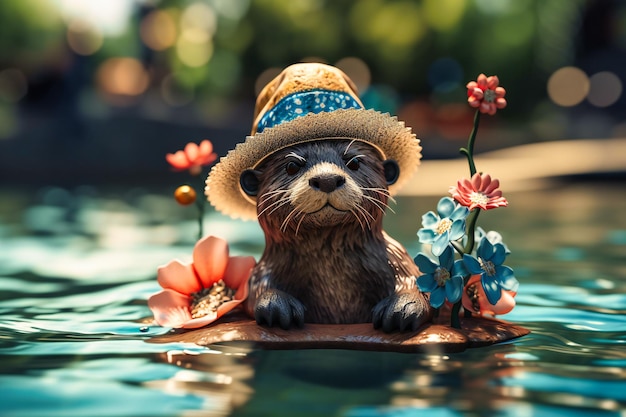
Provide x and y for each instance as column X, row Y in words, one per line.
column 95, row 92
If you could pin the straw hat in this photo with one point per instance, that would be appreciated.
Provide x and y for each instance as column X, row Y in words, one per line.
column 308, row 102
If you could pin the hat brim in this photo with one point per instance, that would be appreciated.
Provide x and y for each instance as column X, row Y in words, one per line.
column 385, row 132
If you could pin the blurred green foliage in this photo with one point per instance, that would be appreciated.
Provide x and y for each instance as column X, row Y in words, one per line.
column 523, row 41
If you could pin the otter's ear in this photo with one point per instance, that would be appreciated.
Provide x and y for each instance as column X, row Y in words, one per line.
column 249, row 181
column 392, row 171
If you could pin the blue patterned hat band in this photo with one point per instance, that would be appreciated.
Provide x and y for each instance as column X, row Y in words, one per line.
column 305, row 102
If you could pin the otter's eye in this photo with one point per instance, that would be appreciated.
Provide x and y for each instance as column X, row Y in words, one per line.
column 292, row 168
column 353, row 163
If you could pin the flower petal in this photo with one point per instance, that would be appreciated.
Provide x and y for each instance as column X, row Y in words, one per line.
column 177, row 160
column 499, row 254
column 210, row 258
column 426, row 235
column 170, row 309
column 446, row 259
column 205, row 148
column 437, row 297
column 430, row 219
column 457, row 230
column 238, row 271
column 459, row 268
column 492, row 289
column 485, row 249
column 459, row 213
column 440, row 244
column 178, row 277
column 425, row 264
column 482, row 81
column 471, row 86
column 477, row 182
column 191, row 151
column 473, row 102
column 492, row 82
column 505, row 305
column 426, row 283
column 506, row 278
column 491, row 186
column 472, row 264
column 445, row 207
column 454, row 289
column 210, row 318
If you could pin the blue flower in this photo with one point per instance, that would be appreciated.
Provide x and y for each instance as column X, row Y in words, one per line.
column 445, row 226
column 441, row 281
column 488, row 264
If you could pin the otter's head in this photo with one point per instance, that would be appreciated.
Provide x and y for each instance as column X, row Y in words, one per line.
column 321, row 184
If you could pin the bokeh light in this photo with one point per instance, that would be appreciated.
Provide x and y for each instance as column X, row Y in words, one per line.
column 194, row 54
column 394, row 28
column 357, row 70
column 568, row 86
column 122, row 77
column 83, row 37
column 195, row 44
column 198, row 22
column 158, row 30
column 605, row 89
column 444, row 15
column 498, row 7
column 13, row 85
column 110, row 17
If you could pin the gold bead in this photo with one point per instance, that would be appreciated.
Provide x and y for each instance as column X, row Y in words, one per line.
column 185, row 195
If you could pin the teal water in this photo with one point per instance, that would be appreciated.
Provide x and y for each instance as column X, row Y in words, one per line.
column 77, row 266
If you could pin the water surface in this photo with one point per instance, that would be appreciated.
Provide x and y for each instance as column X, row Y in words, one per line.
column 77, row 266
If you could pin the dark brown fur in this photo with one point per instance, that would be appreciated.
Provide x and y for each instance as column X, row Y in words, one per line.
column 331, row 266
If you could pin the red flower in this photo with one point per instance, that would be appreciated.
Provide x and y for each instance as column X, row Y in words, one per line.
column 475, row 300
column 485, row 94
column 186, row 286
column 193, row 158
column 481, row 191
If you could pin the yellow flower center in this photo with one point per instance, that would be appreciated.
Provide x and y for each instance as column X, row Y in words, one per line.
column 441, row 276
column 489, row 96
column 206, row 301
column 478, row 198
column 443, row 226
column 488, row 267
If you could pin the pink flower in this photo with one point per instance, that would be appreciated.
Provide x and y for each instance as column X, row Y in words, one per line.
column 193, row 157
column 172, row 307
column 481, row 191
column 485, row 94
column 475, row 300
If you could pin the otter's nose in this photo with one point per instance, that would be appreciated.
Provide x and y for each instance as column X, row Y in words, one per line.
column 327, row 183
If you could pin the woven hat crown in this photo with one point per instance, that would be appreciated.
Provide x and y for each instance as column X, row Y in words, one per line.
column 299, row 83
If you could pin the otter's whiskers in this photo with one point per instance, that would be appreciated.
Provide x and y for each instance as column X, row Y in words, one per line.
column 283, row 199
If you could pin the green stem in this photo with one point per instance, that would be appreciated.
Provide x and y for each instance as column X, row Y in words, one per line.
column 457, row 247
column 470, row 229
column 469, row 151
column 454, row 318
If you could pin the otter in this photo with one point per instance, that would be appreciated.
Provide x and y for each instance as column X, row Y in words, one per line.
column 327, row 258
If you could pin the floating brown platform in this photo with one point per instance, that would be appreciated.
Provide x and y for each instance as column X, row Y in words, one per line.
column 474, row 332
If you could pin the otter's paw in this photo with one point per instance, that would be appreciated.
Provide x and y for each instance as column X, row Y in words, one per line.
column 274, row 307
column 405, row 311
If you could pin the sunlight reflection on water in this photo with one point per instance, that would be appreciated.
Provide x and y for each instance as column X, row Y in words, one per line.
column 75, row 334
